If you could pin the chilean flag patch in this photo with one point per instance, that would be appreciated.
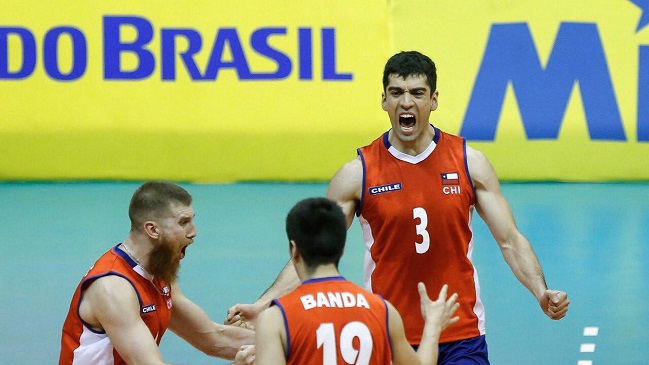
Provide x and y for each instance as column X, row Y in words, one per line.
column 450, row 178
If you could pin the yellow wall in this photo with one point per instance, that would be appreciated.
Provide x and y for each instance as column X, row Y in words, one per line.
column 291, row 126
column 455, row 34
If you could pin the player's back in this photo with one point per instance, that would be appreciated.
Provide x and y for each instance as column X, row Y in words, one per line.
column 333, row 321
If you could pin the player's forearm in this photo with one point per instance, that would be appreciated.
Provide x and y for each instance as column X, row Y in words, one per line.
column 525, row 265
column 285, row 282
column 428, row 349
column 227, row 340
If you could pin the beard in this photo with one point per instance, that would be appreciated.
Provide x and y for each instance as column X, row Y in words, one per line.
column 163, row 263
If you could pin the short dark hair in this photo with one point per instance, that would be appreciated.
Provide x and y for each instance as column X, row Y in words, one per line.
column 411, row 63
column 153, row 199
column 319, row 229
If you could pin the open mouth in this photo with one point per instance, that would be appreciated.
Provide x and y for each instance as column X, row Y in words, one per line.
column 407, row 120
column 184, row 249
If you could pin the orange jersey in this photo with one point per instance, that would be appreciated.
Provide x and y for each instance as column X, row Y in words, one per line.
column 415, row 214
column 334, row 321
column 82, row 345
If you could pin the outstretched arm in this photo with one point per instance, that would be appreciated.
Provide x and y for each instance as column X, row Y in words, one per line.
column 245, row 356
column 516, row 249
column 192, row 324
column 344, row 188
column 245, row 315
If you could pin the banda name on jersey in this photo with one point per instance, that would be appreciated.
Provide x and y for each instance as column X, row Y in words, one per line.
column 334, row 300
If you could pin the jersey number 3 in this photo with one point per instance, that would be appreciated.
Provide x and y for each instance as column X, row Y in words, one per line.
column 420, row 214
column 326, row 339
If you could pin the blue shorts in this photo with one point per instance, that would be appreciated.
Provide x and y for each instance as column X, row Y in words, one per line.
column 472, row 351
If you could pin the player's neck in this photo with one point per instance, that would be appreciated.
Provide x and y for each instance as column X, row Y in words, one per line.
column 416, row 146
column 322, row 271
column 135, row 252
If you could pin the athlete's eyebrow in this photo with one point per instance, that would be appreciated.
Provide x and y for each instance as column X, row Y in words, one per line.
column 186, row 216
column 421, row 89
column 395, row 88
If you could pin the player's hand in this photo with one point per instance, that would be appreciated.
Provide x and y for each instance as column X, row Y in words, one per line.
column 440, row 310
column 245, row 355
column 554, row 303
column 242, row 315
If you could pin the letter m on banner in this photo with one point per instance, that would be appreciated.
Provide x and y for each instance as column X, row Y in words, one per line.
column 543, row 94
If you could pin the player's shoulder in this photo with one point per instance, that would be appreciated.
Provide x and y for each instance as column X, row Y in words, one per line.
column 107, row 296
column 271, row 311
column 271, row 317
column 473, row 153
column 355, row 163
column 349, row 170
column 480, row 169
column 111, row 285
column 476, row 159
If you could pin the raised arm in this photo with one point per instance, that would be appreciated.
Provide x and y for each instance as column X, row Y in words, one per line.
column 516, row 249
column 437, row 316
column 193, row 325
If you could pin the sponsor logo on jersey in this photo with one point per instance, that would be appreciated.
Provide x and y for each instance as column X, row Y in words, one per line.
column 148, row 308
column 374, row 190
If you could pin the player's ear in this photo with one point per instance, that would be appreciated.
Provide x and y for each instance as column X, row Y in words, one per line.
column 291, row 248
column 434, row 96
column 293, row 251
column 151, row 229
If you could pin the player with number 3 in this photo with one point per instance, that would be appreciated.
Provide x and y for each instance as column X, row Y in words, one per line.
column 414, row 190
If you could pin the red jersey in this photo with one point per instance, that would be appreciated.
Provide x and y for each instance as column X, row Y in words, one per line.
column 334, row 321
column 415, row 214
column 82, row 345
